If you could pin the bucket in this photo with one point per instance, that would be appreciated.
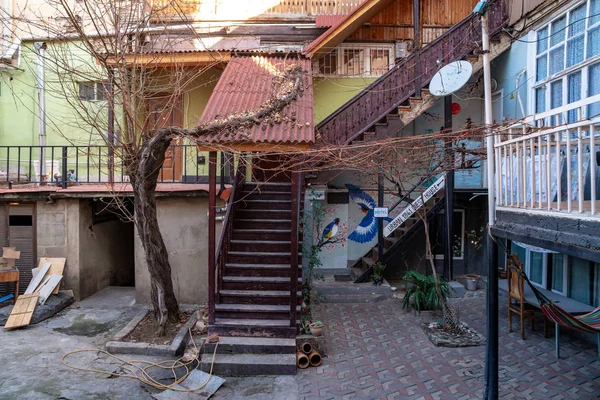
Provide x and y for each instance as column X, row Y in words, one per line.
column 471, row 282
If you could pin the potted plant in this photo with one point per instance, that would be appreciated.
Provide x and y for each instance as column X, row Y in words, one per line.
column 421, row 289
column 377, row 275
column 316, row 328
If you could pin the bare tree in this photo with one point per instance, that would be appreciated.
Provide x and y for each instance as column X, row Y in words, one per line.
column 110, row 46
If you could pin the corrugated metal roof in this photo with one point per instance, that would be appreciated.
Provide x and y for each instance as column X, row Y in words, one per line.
column 327, row 20
column 247, row 83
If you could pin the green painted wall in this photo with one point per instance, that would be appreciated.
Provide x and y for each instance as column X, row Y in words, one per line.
column 330, row 93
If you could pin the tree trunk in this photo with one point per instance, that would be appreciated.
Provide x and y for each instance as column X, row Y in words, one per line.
column 143, row 173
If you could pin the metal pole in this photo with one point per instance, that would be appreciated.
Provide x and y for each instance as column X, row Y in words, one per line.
column 41, row 89
column 111, row 128
column 449, row 203
column 212, row 202
column 380, row 220
column 491, row 362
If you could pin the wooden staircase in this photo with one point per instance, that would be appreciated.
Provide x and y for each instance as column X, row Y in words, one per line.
column 253, row 297
column 401, row 95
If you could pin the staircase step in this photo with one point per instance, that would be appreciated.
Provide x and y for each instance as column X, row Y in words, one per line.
column 250, row 213
column 257, row 282
column 264, row 234
column 260, row 270
column 250, row 364
column 268, row 186
column 253, row 311
column 268, row 204
column 251, row 345
column 266, row 195
column 263, row 245
column 275, row 297
column 368, row 261
column 259, row 224
column 240, row 257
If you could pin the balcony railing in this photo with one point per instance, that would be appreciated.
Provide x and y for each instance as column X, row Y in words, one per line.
column 549, row 161
column 72, row 165
column 234, row 9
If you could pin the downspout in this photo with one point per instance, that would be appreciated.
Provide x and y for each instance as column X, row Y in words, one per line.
column 41, row 89
column 6, row 34
column 517, row 88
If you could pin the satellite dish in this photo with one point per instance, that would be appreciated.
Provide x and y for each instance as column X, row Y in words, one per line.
column 450, row 78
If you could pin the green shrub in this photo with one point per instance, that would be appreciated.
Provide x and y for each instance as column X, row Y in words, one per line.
column 421, row 288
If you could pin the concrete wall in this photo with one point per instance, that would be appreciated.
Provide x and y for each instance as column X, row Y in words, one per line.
column 184, row 226
column 58, row 236
column 106, row 253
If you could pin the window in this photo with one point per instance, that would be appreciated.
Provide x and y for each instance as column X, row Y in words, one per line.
column 93, row 91
column 566, row 52
column 356, row 60
column 559, row 271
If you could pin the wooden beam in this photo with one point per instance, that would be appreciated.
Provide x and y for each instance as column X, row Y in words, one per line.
column 262, row 147
column 212, row 202
column 337, row 34
column 170, row 59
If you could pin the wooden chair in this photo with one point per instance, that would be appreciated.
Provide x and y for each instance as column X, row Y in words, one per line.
column 516, row 300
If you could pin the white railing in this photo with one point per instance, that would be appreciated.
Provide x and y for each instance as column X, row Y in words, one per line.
column 547, row 162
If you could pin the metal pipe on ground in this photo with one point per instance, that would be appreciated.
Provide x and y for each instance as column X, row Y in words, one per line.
column 302, row 360
column 315, row 359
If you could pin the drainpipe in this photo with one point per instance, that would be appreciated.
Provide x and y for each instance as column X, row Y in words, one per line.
column 41, row 88
column 491, row 362
column 6, row 34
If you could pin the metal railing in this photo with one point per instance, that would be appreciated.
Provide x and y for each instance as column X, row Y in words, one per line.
column 407, row 77
column 548, row 163
column 214, row 9
column 69, row 165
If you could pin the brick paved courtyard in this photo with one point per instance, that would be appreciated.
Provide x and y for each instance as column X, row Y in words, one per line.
column 378, row 351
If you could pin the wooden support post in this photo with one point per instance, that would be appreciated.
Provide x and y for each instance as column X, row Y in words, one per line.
column 296, row 179
column 417, row 45
column 212, row 202
column 449, row 209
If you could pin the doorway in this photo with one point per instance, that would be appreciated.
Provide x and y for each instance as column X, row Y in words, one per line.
column 163, row 111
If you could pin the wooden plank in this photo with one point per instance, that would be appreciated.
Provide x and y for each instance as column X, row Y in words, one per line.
column 43, row 270
column 48, row 287
column 22, row 311
column 57, row 267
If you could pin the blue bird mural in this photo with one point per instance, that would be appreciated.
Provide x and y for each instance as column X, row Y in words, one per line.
column 367, row 229
column 331, row 229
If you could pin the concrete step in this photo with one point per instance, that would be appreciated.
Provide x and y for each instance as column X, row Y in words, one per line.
column 252, row 345
column 253, row 327
column 257, row 282
column 250, row 364
column 257, row 269
column 275, row 297
column 356, row 298
column 253, row 311
column 241, row 257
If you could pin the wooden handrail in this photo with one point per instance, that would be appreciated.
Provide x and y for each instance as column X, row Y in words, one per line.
column 296, row 192
column 396, row 86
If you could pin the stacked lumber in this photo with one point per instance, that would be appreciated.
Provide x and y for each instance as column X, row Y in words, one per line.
column 46, row 282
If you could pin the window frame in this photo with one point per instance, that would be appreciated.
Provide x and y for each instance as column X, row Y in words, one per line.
column 562, row 75
column 98, row 95
column 366, row 49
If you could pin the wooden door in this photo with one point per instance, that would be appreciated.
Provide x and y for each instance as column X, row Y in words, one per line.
column 163, row 112
column 269, row 169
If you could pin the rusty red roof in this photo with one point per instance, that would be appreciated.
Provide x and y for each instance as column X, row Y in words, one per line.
column 249, row 82
column 327, row 20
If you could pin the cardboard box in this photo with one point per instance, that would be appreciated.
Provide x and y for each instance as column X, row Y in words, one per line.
column 11, row 252
column 7, row 263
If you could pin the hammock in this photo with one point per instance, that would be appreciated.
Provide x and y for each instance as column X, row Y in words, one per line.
column 589, row 322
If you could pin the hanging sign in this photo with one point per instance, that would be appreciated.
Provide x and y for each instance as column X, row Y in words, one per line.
column 380, row 212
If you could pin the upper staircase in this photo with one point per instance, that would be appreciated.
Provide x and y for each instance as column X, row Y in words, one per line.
column 401, row 95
